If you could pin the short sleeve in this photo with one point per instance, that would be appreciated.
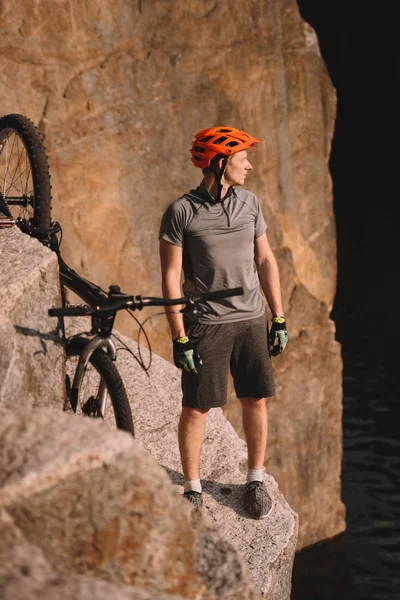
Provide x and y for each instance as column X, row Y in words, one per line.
column 173, row 224
column 260, row 225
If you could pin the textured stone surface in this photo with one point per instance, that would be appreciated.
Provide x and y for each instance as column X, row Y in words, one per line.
column 96, row 503
column 119, row 88
column 82, row 588
column 31, row 353
column 25, row 573
column 19, row 560
column 268, row 545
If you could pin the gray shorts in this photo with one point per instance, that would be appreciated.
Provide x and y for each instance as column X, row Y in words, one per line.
column 241, row 347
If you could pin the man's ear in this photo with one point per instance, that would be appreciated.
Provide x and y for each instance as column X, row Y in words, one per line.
column 224, row 160
column 220, row 163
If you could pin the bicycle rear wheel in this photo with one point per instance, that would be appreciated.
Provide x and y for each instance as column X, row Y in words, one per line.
column 101, row 367
column 24, row 174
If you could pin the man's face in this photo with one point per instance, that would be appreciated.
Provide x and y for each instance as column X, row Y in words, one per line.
column 236, row 168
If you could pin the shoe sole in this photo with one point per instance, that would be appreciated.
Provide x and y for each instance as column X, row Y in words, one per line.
column 262, row 516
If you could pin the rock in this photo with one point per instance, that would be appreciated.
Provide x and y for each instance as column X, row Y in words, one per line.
column 25, row 573
column 119, row 88
column 83, row 588
column 268, row 546
column 95, row 503
column 19, row 561
column 31, row 350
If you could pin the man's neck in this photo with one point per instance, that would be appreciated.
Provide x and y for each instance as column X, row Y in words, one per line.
column 211, row 185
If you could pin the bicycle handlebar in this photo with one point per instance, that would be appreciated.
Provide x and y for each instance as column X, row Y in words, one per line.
column 71, row 311
column 138, row 302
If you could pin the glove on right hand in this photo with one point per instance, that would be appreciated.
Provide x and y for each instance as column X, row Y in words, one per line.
column 277, row 334
column 186, row 356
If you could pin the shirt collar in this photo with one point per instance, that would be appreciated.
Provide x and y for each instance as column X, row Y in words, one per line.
column 203, row 192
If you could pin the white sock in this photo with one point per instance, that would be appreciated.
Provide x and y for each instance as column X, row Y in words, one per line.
column 193, row 485
column 255, row 475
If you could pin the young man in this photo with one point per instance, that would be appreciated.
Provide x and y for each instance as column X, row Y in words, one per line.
column 217, row 234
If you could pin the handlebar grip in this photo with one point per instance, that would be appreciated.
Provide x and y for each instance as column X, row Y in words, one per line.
column 73, row 311
column 238, row 291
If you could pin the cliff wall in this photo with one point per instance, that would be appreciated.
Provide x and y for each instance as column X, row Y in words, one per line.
column 118, row 88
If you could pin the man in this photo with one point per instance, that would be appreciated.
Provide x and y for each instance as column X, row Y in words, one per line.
column 217, row 234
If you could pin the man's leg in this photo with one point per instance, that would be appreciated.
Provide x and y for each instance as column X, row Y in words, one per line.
column 202, row 391
column 191, row 434
column 255, row 426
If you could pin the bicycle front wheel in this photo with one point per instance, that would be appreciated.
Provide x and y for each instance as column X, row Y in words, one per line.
column 101, row 387
column 24, row 174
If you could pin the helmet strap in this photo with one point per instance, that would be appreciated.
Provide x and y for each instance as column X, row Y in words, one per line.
column 218, row 177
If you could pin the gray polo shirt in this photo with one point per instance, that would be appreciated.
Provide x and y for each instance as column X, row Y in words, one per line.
column 218, row 250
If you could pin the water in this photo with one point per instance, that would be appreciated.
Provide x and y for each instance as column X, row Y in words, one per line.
column 370, row 479
column 364, row 562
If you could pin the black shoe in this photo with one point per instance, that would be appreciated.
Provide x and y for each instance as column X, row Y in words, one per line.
column 195, row 498
column 258, row 501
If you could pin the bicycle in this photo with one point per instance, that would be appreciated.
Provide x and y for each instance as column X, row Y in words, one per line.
column 25, row 201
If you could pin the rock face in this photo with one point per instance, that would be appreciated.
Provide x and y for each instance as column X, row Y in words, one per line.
column 119, row 88
column 31, row 351
column 268, row 546
column 84, row 499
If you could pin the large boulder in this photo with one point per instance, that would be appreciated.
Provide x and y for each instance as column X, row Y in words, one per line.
column 31, row 349
column 95, row 503
column 25, row 573
column 119, row 88
column 268, row 546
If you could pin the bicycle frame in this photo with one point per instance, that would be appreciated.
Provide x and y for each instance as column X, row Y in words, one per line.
column 89, row 292
column 103, row 309
column 93, row 296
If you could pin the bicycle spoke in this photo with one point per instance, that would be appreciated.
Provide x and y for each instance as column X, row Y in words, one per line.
column 12, row 183
column 24, row 167
column 6, row 165
column 17, row 180
column 11, row 152
column 19, row 177
column 28, row 179
column 17, row 165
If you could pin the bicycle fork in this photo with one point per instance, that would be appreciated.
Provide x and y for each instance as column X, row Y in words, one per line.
column 94, row 344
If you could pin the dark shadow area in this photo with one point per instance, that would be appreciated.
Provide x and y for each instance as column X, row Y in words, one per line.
column 230, row 495
column 322, row 571
column 360, row 45
column 51, row 336
column 175, row 476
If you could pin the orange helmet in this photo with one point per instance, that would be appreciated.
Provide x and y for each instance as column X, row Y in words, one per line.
column 219, row 140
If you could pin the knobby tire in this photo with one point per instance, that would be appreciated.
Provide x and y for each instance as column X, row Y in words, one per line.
column 32, row 140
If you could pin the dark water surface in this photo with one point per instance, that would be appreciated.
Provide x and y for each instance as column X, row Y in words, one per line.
column 364, row 562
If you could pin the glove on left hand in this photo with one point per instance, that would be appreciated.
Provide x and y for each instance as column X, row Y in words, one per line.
column 278, row 334
column 186, row 356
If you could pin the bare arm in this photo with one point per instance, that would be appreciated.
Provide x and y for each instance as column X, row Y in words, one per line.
column 268, row 274
column 171, row 267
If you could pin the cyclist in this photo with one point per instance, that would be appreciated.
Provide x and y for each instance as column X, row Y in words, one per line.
column 217, row 234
